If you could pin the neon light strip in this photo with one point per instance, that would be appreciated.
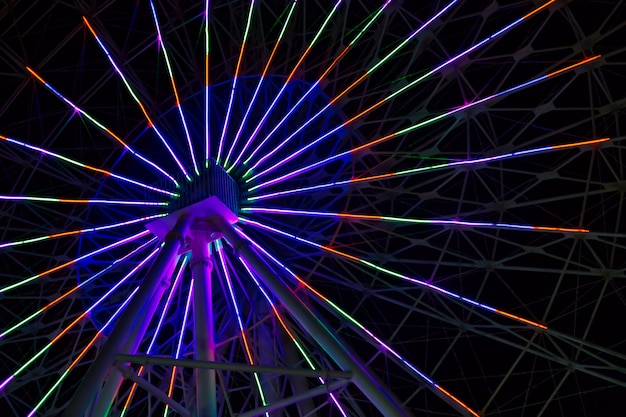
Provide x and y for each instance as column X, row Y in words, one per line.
column 297, row 344
column 293, row 71
column 134, row 96
column 102, row 127
column 207, row 55
column 410, row 221
column 354, row 84
column 157, row 331
column 234, row 87
column 89, row 167
column 62, row 377
column 429, row 168
column 391, row 96
column 417, row 125
column 180, row 343
column 308, row 92
column 78, row 232
column 74, row 261
column 394, row 274
column 81, row 201
column 171, row 74
column 256, row 92
column 221, row 255
column 76, row 321
column 355, row 322
column 73, row 290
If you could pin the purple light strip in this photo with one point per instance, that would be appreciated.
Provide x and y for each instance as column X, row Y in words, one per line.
column 79, row 232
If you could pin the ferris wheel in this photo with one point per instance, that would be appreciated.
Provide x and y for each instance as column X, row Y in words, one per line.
column 308, row 208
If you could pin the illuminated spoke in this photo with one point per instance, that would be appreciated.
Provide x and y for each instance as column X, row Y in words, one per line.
column 134, row 96
column 428, row 168
column 234, row 86
column 351, row 216
column 73, row 290
column 350, row 319
column 416, row 126
column 82, row 354
column 76, row 321
column 256, row 93
column 345, row 91
column 171, row 74
column 81, row 201
column 280, row 93
column 244, row 337
column 413, row 83
column 292, row 337
column 102, row 127
column 79, row 232
column 207, row 98
column 74, row 261
column 389, row 272
column 85, row 166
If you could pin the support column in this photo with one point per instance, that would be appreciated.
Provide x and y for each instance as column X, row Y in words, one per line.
column 100, row 368
column 201, row 267
column 366, row 382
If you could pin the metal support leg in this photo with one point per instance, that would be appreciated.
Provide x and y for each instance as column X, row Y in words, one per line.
column 114, row 380
column 374, row 391
column 201, row 267
column 101, row 367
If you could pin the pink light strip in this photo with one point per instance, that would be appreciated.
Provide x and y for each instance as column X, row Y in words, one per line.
column 419, row 282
